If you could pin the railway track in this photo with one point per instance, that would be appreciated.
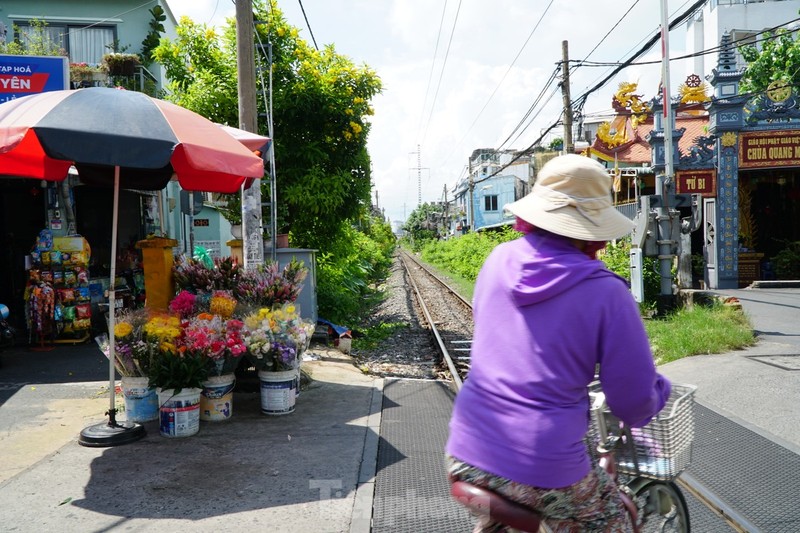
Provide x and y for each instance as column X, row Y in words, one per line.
column 449, row 317
column 448, row 314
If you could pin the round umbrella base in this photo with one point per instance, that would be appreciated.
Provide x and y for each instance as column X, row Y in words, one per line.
column 108, row 434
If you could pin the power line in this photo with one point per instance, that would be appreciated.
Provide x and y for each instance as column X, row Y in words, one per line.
column 581, row 100
column 502, row 80
column 611, row 30
column 441, row 74
column 307, row 24
column 433, row 63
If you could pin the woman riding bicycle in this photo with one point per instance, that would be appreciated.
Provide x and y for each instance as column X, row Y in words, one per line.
column 548, row 315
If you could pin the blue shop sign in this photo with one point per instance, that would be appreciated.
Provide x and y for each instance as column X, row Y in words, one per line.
column 24, row 75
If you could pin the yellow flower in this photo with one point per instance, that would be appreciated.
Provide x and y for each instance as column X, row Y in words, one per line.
column 168, row 347
column 356, row 127
column 122, row 330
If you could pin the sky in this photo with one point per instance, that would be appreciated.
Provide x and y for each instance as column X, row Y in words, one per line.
column 462, row 75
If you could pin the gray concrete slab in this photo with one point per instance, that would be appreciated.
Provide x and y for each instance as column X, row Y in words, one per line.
column 742, row 385
column 297, row 472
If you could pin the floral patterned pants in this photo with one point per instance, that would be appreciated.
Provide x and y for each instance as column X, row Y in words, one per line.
column 590, row 505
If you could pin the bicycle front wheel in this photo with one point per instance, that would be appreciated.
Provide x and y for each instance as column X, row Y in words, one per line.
column 661, row 508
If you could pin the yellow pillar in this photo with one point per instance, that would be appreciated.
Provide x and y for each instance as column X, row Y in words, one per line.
column 236, row 250
column 157, row 263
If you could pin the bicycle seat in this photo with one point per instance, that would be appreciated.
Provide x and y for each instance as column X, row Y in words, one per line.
column 481, row 501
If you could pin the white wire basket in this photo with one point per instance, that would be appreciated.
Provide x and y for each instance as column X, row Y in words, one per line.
column 660, row 450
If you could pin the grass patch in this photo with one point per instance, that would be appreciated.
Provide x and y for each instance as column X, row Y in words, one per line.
column 372, row 336
column 699, row 330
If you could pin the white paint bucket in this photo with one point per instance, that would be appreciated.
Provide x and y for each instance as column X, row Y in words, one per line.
column 141, row 401
column 216, row 400
column 180, row 413
column 278, row 392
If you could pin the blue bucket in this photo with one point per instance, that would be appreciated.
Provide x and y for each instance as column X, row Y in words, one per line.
column 141, row 401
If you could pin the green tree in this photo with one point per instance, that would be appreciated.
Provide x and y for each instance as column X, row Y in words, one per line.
column 778, row 59
column 556, row 144
column 422, row 224
column 321, row 106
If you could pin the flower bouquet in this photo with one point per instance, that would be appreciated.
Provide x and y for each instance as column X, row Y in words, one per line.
column 276, row 338
column 174, row 366
column 217, row 340
column 219, row 343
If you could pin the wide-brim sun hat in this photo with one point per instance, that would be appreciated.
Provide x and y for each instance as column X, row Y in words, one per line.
column 572, row 197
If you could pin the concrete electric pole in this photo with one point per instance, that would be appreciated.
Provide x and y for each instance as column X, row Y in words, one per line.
column 663, row 215
column 252, row 227
column 569, row 147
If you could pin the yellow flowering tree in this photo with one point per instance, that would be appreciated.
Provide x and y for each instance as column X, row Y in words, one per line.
column 321, row 107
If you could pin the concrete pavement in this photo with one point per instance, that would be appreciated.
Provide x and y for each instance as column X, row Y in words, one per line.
column 308, row 471
column 758, row 387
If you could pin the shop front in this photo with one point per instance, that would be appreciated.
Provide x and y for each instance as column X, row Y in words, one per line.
column 55, row 256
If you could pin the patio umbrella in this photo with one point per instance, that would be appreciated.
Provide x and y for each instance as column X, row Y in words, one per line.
column 119, row 138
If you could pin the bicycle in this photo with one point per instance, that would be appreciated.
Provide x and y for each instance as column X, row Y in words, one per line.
column 644, row 462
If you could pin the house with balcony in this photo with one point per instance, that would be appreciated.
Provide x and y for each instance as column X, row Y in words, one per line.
column 87, row 30
column 495, row 178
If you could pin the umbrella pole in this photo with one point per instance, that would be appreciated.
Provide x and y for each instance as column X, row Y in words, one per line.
column 112, row 433
column 112, row 303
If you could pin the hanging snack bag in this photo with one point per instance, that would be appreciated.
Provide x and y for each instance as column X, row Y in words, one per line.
column 66, row 296
column 70, row 279
column 35, row 275
column 83, row 276
column 83, row 311
column 45, row 276
column 55, row 258
column 44, row 257
column 83, row 294
column 58, row 278
column 69, row 313
column 45, row 240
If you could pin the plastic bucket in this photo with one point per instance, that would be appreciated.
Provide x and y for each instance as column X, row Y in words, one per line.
column 216, row 400
column 180, row 413
column 278, row 392
column 141, row 401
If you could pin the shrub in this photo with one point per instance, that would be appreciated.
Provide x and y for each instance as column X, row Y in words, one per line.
column 351, row 263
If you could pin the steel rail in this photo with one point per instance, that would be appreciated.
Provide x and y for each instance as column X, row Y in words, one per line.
column 686, row 481
column 734, row 519
column 457, row 381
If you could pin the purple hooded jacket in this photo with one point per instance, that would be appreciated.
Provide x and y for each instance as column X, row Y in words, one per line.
column 545, row 315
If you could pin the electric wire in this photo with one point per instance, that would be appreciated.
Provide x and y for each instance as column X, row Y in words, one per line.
column 430, row 74
column 303, row 9
column 611, row 30
column 708, row 51
column 441, row 73
column 519, row 53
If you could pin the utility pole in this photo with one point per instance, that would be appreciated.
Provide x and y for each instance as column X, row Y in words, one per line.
column 568, row 145
column 471, row 193
column 663, row 215
column 252, row 227
column 419, row 170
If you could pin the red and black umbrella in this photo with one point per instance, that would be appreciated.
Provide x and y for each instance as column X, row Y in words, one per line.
column 119, row 138
column 98, row 129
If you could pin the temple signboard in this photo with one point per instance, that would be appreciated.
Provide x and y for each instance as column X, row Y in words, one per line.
column 696, row 182
column 769, row 149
